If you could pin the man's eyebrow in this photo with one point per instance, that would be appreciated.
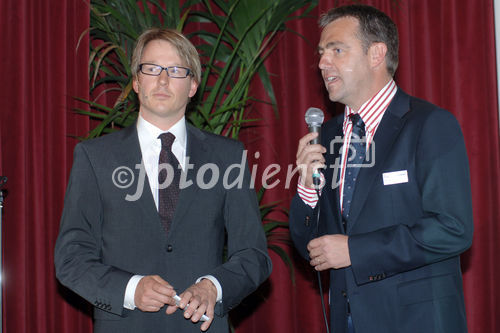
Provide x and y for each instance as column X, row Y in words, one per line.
column 330, row 45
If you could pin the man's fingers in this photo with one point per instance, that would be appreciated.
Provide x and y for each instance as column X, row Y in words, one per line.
column 317, row 165
column 304, row 141
column 207, row 324
column 162, row 286
column 198, row 301
column 152, row 293
column 159, row 279
column 191, row 309
column 163, row 290
column 309, row 158
column 314, row 243
column 171, row 309
column 153, row 306
column 195, row 308
column 321, row 267
column 329, row 251
column 309, row 163
column 305, row 146
column 210, row 314
column 185, row 299
column 311, row 153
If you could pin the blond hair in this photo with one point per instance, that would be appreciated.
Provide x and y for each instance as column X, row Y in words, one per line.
column 185, row 49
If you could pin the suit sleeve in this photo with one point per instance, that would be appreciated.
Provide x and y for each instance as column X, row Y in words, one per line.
column 445, row 226
column 248, row 263
column 77, row 256
column 302, row 221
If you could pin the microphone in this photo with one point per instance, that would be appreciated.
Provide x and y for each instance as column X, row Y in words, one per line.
column 314, row 118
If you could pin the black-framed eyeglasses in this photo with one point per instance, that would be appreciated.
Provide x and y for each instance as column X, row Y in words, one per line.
column 177, row 72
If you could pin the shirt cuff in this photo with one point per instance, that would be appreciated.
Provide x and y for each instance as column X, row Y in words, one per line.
column 129, row 302
column 309, row 195
column 216, row 284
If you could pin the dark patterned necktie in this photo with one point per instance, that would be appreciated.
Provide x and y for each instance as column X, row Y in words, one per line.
column 169, row 174
column 355, row 157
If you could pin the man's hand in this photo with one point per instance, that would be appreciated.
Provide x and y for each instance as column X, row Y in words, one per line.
column 309, row 158
column 329, row 251
column 201, row 298
column 152, row 293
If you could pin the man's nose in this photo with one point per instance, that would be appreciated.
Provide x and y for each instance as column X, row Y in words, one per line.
column 324, row 62
column 163, row 78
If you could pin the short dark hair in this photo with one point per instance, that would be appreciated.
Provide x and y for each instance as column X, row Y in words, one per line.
column 375, row 27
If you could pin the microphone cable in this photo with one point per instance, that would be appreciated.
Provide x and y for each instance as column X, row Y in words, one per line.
column 320, row 284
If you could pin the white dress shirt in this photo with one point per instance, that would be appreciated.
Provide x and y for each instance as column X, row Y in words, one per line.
column 150, row 148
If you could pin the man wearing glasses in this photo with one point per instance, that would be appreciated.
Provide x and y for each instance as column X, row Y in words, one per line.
column 139, row 258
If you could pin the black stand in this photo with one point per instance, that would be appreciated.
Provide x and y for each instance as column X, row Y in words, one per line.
column 3, row 180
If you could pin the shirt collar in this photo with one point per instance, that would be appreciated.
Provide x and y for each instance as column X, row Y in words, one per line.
column 148, row 133
column 372, row 110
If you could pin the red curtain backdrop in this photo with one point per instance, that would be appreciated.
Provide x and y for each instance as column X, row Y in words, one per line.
column 41, row 71
column 446, row 56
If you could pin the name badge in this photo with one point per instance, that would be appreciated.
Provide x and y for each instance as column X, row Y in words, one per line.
column 395, row 177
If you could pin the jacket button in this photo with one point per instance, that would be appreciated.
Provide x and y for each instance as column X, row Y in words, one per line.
column 307, row 221
column 169, row 248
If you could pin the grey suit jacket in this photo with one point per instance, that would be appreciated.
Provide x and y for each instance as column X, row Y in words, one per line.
column 405, row 237
column 110, row 230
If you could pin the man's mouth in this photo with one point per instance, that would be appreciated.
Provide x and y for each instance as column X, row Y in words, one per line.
column 161, row 94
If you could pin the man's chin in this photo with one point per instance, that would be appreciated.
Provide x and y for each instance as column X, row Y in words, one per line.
column 334, row 97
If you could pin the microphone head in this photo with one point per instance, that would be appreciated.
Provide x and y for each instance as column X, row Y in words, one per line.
column 314, row 117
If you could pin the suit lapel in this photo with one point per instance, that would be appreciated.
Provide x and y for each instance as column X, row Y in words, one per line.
column 129, row 149
column 333, row 160
column 197, row 154
column 384, row 138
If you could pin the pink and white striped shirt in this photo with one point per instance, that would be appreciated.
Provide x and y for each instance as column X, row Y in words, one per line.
column 371, row 113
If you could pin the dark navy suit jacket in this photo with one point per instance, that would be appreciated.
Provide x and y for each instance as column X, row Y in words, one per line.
column 105, row 239
column 404, row 238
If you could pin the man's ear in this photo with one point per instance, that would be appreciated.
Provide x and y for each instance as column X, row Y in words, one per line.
column 135, row 84
column 376, row 53
column 194, row 87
